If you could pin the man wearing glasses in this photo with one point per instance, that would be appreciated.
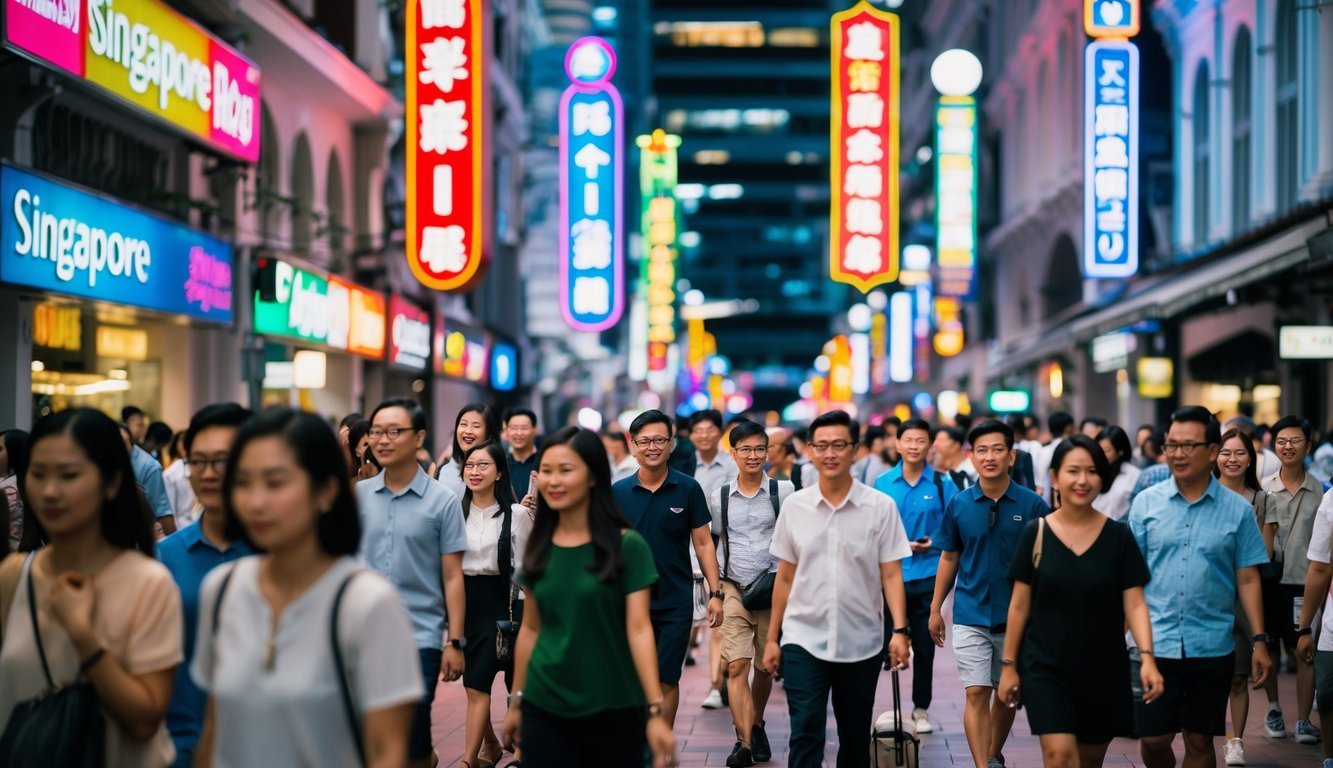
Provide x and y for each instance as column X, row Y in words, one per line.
column 1203, row 548
column 412, row 532
column 977, row 540
column 671, row 512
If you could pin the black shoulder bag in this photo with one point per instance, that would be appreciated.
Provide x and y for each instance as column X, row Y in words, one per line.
column 758, row 595
column 63, row 727
column 506, row 632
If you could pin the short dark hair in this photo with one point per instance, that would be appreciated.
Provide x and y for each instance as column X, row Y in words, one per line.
column 520, row 411
column 915, row 423
column 414, row 411
column 708, row 414
column 129, row 412
column 1099, row 460
column 1197, row 414
column 315, row 446
column 650, row 417
column 1096, row 421
column 1017, row 422
column 744, row 429
column 617, row 435
column 1244, row 424
column 891, row 420
column 158, row 433
column 215, row 415
column 955, row 434
column 1292, row 422
column 1058, row 422
column 872, row 433
column 836, row 419
column 992, row 427
column 349, row 420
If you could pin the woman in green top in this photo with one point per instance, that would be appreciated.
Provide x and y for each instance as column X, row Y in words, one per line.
column 585, row 662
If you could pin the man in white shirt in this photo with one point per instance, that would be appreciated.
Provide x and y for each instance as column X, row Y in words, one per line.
column 1061, row 426
column 713, row 467
column 617, row 453
column 833, row 629
column 184, row 507
column 1317, row 581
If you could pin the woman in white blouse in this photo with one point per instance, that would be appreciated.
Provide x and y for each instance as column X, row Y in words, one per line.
column 270, row 635
column 1114, row 502
column 475, row 424
column 489, row 508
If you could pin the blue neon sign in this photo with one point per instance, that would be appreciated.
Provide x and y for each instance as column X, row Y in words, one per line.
column 504, row 367
column 1111, row 160
column 68, row 241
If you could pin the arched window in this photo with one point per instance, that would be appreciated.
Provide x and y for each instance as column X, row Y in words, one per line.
column 268, row 182
column 1202, row 154
column 336, row 226
column 1286, row 47
column 303, row 192
column 1241, row 102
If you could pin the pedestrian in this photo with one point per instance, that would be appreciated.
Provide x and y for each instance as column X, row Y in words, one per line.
column 669, row 509
column 617, row 450
column 1235, row 472
column 869, row 463
column 520, row 425
column 1061, row 425
column 1075, row 588
column 1322, row 464
column 196, row 549
column 156, row 441
column 921, row 495
column 952, row 458
column 1158, row 472
column 1113, row 500
column 1293, row 497
column 713, row 468
column 1092, row 426
column 1202, row 548
column 744, row 516
column 414, row 535
column 176, row 477
column 585, row 678
column 345, row 428
column 1023, row 472
column 1266, row 461
column 1319, row 652
column 359, row 456
column 977, row 540
column 133, row 417
column 86, row 601
column 497, row 532
column 839, row 546
column 306, row 655
column 782, row 458
column 890, row 453
column 13, row 465
column 148, row 476
column 475, row 424
column 1142, row 458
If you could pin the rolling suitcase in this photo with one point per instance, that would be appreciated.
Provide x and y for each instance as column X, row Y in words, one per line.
column 893, row 743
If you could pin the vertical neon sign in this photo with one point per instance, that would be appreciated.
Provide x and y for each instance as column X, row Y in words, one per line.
column 657, row 189
column 446, row 110
column 956, row 195
column 1111, row 140
column 901, row 337
column 592, row 271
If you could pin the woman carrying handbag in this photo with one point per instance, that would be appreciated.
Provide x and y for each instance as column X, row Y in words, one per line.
column 91, row 622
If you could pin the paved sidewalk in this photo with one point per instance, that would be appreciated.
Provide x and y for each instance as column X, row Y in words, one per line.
column 705, row 737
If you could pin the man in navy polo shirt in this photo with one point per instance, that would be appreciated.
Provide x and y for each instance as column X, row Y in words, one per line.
column 196, row 549
column 670, row 510
column 977, row 539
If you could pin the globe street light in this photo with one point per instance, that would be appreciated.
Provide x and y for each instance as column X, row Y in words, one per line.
column 956, row 72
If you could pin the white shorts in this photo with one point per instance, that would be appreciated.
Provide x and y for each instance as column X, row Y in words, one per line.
column 979, row 654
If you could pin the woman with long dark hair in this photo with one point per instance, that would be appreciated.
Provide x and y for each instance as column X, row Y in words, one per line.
column 497, row 531
column 307, row 657
column 358, row 441
column 105, row 610
column 585, row 677
column 13, row 465
column 475, row 424
column 1114, row 499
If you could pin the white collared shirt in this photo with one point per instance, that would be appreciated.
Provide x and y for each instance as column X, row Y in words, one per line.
column 836, row 607
column 627, row 467
column 483, row 538
column 712, row 475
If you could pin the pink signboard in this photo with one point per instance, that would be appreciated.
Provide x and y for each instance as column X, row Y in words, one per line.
column 52, row 30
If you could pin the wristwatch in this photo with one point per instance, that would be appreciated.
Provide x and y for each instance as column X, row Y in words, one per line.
column 1262, row 637
column 458, row 642
column 903, row 631
column 1305, row 632
column 716, row 595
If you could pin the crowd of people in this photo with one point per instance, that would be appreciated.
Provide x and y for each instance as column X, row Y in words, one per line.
column 269, row 589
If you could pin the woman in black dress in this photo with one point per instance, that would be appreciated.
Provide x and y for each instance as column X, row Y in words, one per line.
column 1068, row 613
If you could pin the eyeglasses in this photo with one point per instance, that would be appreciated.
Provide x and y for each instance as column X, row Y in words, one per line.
column 1294, row 442
column 480, row 466
column 1227, row 453
column 392, row 433
column 837, row 446
column 652, row 442
column 753, row 450
column 198, row 463
column 1186, row 449
column 994, row 512
column 987, row 450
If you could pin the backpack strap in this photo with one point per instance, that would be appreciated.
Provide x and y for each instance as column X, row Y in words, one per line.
column 349, row 708
column 773, row 497
column 1036, row 545
column 939, row 485
column 32, row 614
column 726, row 540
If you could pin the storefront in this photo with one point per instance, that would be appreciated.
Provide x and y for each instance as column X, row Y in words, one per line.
column 408, row 371
column 324, row 336
column 471, row 365
column 119, row 298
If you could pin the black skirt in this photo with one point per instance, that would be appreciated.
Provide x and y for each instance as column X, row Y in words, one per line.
column 487, row 603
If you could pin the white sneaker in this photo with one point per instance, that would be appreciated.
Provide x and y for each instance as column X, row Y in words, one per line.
column 921, row 719
column 1234, row 752
column 713, row 700
column 1306, row 733
column 1273, row 726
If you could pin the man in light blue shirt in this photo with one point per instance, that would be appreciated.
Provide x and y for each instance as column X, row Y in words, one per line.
column 148, row 476
column 1202, row 545
column 921, row 494
column 413, row 533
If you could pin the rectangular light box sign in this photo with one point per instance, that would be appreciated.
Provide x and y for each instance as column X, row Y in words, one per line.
column 1111, row 160
column 1305, row 342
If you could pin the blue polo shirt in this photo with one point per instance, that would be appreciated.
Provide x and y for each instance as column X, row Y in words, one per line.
column 403, row 536
column 189, row 555
column 1193, row 551
column 922, row 510
column 148, row 474
column 666, row 518
column 983, row 588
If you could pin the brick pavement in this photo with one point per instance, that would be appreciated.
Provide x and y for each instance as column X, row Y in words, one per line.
column 705, row 738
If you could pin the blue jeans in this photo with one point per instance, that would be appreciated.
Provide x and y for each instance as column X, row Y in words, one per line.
column 809, row 682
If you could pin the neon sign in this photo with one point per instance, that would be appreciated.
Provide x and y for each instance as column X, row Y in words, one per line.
column 956, row 195
column 1111, row 140
column 901, row 337
column 657, row 181
column 864, row 148
column 1111, row 18
column 592, row 278
column 446, row 169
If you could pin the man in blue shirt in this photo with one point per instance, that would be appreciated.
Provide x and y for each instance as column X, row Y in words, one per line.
column 520, row 425
column 148, row 476
column 670, row 510
column 978, row 537
column 921, row 494
column 196, row 549
column 1203, row 547
column 413, row 533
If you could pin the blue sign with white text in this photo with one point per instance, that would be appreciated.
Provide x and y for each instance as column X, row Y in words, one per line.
column 62, row 239
column 1111, row 160
column 591, row 173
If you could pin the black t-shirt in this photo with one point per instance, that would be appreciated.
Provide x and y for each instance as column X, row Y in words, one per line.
column 667, row 518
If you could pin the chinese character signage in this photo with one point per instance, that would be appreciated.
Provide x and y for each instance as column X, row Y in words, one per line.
column 65, row 240
column 446, row 168
column 1111, row 18
column 409, row 334
column 1110, row 159
column 658, row 191
column 956, row 195
column 591, row 189
column 145, row 55
column 302, row 303
column 863, row 236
